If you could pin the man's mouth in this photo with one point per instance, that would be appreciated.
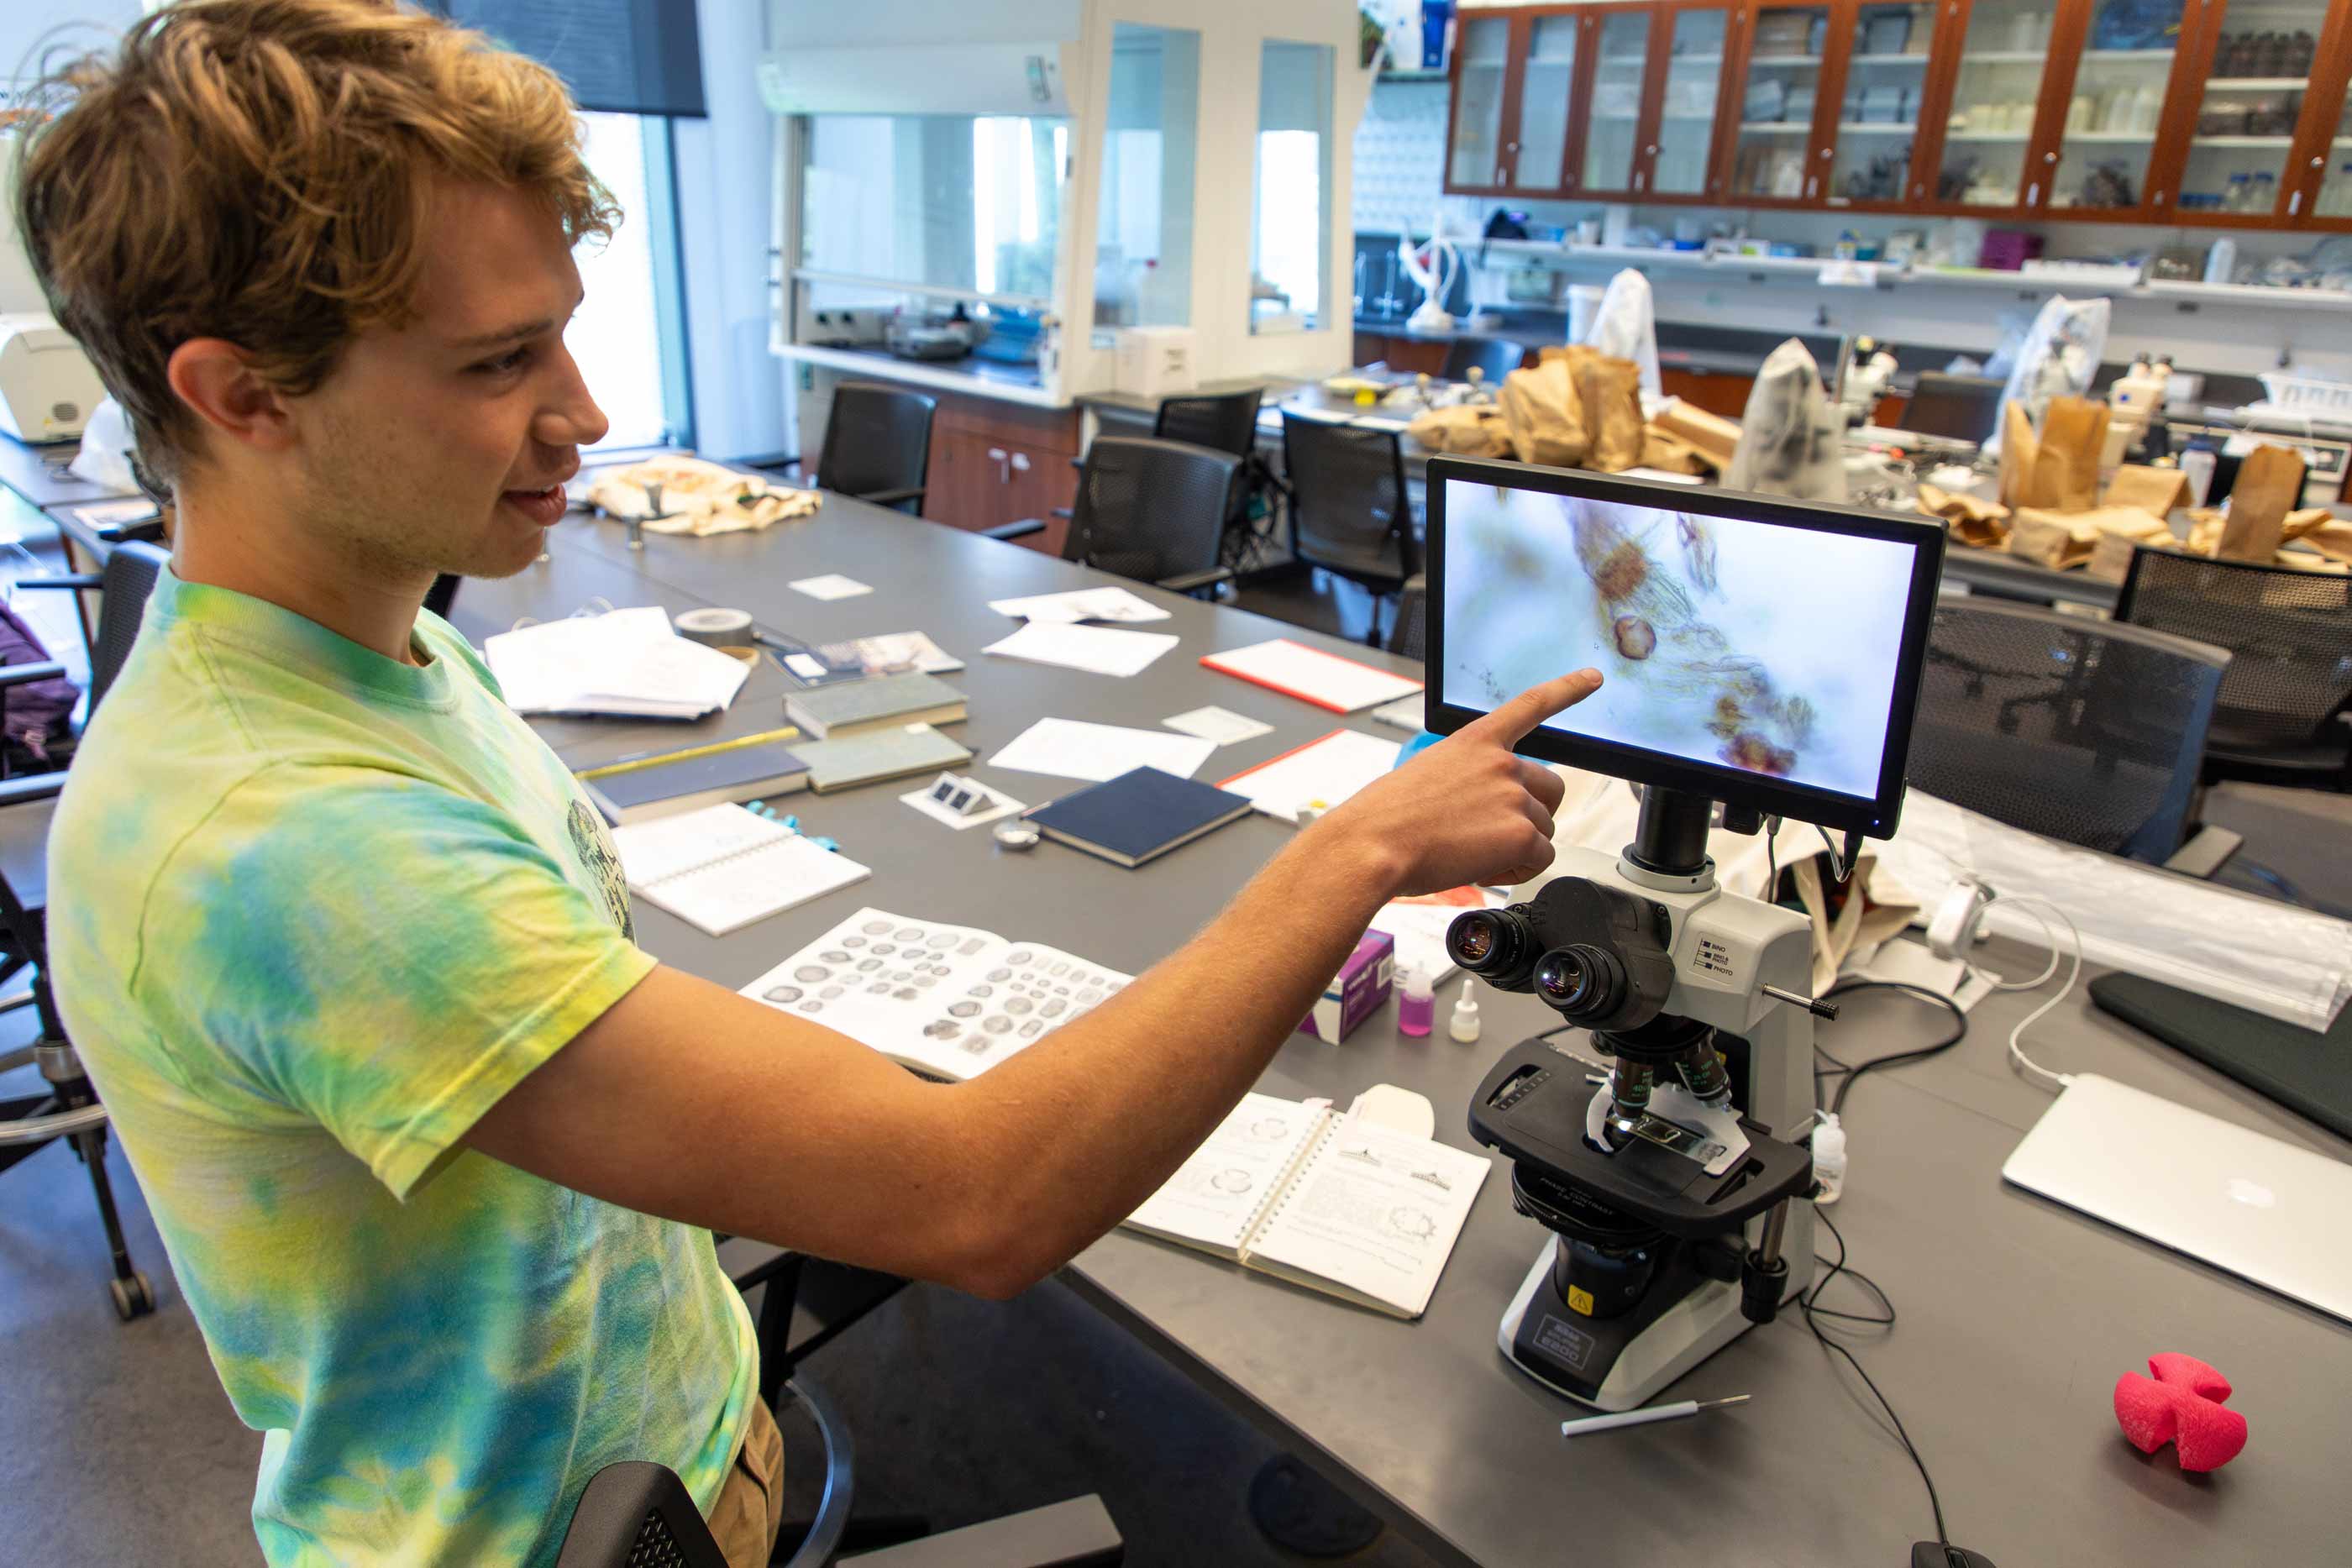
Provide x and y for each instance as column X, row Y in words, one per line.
column 544, row 508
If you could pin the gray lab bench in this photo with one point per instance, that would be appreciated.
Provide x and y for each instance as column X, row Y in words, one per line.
column 2017, row 1316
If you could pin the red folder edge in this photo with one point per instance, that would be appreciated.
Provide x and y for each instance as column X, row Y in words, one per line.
column 1209, row 661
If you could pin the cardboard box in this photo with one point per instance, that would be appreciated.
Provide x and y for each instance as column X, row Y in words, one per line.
column 1356, row 991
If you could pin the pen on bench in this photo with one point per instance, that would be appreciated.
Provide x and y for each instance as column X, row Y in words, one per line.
column 1646, row 1415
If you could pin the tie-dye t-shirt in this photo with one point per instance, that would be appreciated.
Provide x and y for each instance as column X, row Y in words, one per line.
column 312, row 912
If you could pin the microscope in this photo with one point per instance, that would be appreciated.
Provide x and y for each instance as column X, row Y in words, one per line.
column 1676, row 1190
column 1758, row 652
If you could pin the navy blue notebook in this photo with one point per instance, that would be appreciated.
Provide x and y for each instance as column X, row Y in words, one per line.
column 1139, row 816
column 712, row 778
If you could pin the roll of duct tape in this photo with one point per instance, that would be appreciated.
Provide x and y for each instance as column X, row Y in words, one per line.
column 715, row 628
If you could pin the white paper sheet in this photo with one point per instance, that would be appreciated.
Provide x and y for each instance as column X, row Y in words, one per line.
column 1098, row 650
column 1098, row 752
column 1327, row 680
column 1222, row 725
column 624, row 661
column 832, row 585
column 1081, row 604
column 1217, row 1197
column 1407, row 714
column 1376, row 1212
column 1329, row 770
column 668, row 845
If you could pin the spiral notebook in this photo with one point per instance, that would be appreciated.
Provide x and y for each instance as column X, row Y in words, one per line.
column 723, row 867
column 1326, row 1199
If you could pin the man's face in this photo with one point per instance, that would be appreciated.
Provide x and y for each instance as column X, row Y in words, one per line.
column 443, row 445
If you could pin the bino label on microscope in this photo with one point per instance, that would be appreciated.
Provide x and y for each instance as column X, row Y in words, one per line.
column 1714, row 957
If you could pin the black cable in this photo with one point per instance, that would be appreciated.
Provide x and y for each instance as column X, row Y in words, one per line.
column 1959, row 1033
column 1806, row 1308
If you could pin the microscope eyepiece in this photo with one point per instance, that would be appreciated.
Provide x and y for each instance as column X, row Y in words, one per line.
column 1496, row 945
column 1581, row 980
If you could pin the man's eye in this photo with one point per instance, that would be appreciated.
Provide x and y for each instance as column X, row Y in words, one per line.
column 510, row 360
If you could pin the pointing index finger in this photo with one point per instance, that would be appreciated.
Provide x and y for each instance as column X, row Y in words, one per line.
column 1510, row 723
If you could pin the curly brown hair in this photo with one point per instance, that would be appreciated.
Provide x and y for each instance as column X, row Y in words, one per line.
column 258, row 171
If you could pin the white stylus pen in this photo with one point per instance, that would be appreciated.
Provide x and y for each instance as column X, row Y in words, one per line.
column 1647, row 1414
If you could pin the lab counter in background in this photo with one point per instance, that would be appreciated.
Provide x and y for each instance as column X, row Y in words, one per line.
column 1000, row 452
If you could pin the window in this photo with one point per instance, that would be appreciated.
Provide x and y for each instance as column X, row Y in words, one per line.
column 958, row 202
column 1143, row 238
column 1290, row 234
column 618, row 336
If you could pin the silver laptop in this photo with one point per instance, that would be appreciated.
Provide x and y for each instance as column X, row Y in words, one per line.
column 2242, row 1202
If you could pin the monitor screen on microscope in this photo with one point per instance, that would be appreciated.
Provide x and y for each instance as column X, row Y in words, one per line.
column 1759, row 652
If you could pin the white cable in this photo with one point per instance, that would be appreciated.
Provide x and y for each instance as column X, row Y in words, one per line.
column 1837, row 862
column 2016, row 1052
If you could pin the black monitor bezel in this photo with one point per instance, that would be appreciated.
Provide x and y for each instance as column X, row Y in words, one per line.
column 1875, row 816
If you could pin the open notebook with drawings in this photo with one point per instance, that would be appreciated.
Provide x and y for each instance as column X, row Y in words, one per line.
column 1331, row 1200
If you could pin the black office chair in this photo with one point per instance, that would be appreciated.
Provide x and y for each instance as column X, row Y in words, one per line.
column 1349, row 511
column 1958, row 408
column 2084, row 731
column 1149, row 510
column 2281, row 716
column 69, row 1108
column 1492, row 358
column 633, row 1513
column 1227, row 422
column 877, row 445
column 1409, row 633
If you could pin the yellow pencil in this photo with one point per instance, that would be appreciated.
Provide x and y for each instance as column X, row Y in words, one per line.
column 652, row 758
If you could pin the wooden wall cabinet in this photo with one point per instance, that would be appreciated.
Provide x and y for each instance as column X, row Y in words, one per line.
column 2219, row 113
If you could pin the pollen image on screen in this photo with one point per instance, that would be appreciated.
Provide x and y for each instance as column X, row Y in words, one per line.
column 1721, row 640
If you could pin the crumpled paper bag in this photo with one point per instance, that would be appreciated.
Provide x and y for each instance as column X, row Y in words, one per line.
column 1984, row 524
column 1789, row 437
column 1544, row 415
column 689, row 496
column 1473, row 430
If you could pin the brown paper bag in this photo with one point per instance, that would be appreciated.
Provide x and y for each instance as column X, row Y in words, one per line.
column 2065, row 472
column 2020, row 449
column 1609, row 391
column 2162, row 491
column 2270, row 483
column 2333, row 539
column 1716, row 438
column 1670, row 454
column 1546, row 421
column 2308, row 520
column 1983, row 524
column 1843, row 918
column 2062, row 539
column 1473, row 431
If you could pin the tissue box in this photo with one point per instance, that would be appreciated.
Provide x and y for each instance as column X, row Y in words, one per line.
column 1154, row 361
column 1356, row 991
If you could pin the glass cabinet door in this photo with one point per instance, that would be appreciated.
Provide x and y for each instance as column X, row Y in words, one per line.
column 1545, row 87
column 1482, row 68
column 1989, row 130
column 2335, row 197
column 1776, row 103
column 2115, row 108
column 1694, row 63
column 2246, row 118
column 1621, row 68
column 1886, row 77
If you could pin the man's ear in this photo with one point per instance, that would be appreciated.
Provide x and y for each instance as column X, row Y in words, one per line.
column 219, row 385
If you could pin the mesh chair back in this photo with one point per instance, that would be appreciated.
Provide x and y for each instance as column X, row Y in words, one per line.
column 2082, row 731
column 635, row 1514
column 876, row 438
column 1149, row 509
column 1227, row 423
column 1409, row 636
column 1349, row 509
column 1493, row 357
column 2289, row 634
column 130, row 573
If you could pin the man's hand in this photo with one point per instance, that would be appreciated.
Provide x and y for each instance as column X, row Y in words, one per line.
column 1468, row 809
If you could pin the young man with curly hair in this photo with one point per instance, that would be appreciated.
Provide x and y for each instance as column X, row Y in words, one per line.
column 435, row 1147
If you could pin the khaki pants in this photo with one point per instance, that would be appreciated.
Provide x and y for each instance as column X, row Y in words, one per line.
column 751, row 1506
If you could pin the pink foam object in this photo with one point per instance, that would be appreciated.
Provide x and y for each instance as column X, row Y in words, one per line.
column 2181, row 1402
